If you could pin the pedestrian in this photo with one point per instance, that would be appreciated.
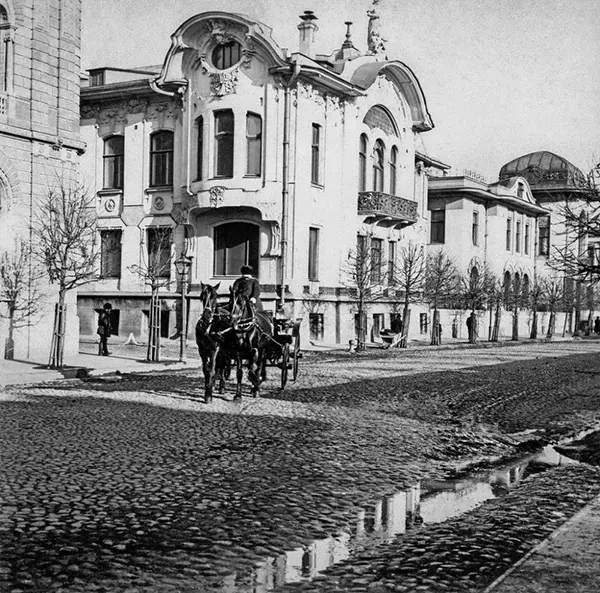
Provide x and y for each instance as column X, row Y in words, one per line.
column 248, row 286
column 470, row 326
column 104, row 329
column 597, row 325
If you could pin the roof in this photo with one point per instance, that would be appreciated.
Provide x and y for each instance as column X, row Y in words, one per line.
column 544, row 170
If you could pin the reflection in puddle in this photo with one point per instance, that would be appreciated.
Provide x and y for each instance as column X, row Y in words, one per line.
column 388, row 518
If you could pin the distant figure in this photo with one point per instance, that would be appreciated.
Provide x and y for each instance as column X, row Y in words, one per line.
column 597, row 325
column 104, row 330
column 470, row 326
column 249, row 287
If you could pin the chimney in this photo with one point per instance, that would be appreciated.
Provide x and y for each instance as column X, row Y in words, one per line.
column 307, row 30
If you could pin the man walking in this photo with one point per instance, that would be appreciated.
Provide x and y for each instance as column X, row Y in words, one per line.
column 104, row 329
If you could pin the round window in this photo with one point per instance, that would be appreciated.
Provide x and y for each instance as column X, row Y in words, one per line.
column 226, row 55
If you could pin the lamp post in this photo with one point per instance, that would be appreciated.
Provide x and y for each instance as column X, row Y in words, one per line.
column 183, row 264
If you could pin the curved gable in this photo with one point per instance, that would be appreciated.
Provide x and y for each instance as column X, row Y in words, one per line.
column 405, row 81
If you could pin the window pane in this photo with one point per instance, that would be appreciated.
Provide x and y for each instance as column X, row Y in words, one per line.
column 224, row 122
column 254, row 144
column 313, row 255
column 161, row 159
column 199, row 146
column 159, row 252
column 224, row 143
column 236, row 244
column 110, row 248
column 162, row 141
column 114, row 145
column 316, row 139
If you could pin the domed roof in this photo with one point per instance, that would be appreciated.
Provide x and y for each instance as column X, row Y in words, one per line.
column 543, row 168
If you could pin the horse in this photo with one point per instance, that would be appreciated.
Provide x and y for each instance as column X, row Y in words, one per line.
column 253, row 331
column 212, row 339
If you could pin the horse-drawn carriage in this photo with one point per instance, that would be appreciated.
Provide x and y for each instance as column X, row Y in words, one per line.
column 241, row 334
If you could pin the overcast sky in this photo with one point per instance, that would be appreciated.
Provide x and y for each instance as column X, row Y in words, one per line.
column 502, row 78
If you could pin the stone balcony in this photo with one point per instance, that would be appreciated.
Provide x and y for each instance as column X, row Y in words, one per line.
column 386, row 209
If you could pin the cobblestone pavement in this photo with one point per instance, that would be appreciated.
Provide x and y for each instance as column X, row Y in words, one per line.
column 131, row 484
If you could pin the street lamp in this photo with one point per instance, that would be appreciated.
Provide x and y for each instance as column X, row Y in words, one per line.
column 183, row 264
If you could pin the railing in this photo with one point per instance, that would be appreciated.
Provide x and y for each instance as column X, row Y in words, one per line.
column 379, row 204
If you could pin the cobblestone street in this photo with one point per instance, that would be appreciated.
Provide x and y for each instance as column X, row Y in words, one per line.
column 130, row 483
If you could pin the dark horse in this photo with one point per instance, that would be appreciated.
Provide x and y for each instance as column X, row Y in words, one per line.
column 214, row 338
column 253, row 331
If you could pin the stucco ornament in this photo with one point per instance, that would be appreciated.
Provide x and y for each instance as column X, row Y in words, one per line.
column 374, row 39
column 216, row 195
column 224, row 83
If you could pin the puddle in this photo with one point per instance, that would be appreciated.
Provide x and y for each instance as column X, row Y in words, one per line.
column 432, row 501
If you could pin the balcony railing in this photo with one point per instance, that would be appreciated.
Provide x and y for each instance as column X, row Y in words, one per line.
column 387, row 207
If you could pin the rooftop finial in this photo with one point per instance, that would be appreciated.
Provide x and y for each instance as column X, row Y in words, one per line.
column 348, row 42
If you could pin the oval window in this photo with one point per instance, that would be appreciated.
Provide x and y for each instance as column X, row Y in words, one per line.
column 226, row 55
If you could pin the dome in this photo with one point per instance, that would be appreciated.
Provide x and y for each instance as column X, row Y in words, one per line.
column 544, row 170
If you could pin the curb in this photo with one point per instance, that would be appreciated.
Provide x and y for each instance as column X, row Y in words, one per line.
column 544, row 543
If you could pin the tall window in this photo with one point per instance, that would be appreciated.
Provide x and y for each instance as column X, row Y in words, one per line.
column 518, row 237
column 317, row 326
column 475, row 229
column 376, row 260
column 224, row 143
column 315, row 173
column 313, row 254
column 362, row 164
column 391, row 262
column 506, row 289
column 525, row 289
column 236, row 244
column 544, row 235
column 114, row 154
column 508, row 234
column 161, row 159
column 159, row 251
column 253, row 144
column 199, row 147
column 526, row 244
column 226, row 55
column 438, row 226
column 393, row 169
column 110, row 253
column 520, row 190
column 6, row 56
column 378, row 163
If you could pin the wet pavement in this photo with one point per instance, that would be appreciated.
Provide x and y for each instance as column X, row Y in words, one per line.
column 130, row 483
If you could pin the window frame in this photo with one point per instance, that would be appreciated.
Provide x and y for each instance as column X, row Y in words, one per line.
column 159, row 154
column 527, row 238
column 227, row 56
column 251, row 243
column 362, row 162
column 391, row 263
column 475, row 228
column 440, row 224
column 313, row 253
column 255, row 140
column 376, row 254
column 378, row 169
column 315, row 154
column 106, row 261
column 518, row 237
column 116, row 161
column 223, row 141
column 509, row 234
column 393, row 170
column 199, row 148
column 165, row 253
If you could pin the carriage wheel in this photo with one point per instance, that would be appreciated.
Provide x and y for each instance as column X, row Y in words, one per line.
column 285, row 359
column 296, row 355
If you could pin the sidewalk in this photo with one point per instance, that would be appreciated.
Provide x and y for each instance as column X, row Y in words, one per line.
column 566, row 562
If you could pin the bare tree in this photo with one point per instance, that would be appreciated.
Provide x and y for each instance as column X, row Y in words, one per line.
column 496, row 302
column 67, row 246
column 365, row 277
column 408, row 276
column 552, row 291
column 441, row 283
column 19, row 289
column 155, row 270
column 535, row 298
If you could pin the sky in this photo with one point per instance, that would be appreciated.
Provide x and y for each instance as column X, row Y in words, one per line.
column 502, row 78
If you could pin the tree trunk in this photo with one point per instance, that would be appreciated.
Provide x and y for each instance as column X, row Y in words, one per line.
column 57, row 346
column 9, row 344
column 403, row 343
column 474, row 332
column 153, row 352
column 515, row 325
column 435, row 328
column 551, row 324
column 534, row 324
column 497, row 318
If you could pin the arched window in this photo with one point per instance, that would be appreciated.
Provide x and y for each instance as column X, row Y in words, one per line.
column 224, row 125
column 161, row 159
column 362, row 163
column 474, row 279
column 226, row 55
column 236, row 244
column 253, row 144
column 6, row 53
column 378, row 164
column 516, row 290
column 506, row 286
column 393, row 169
column 199, row 147
column 113, row 159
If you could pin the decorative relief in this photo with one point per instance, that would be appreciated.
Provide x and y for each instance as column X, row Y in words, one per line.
column 112, row 117
column 224, row 83
column 89, row 111
column 159, row 203
column 307, row 91
column 269, row 210
column 275, row 246
column 374, row 39
column 224, row 31
column 109, row 205
column 216, row 195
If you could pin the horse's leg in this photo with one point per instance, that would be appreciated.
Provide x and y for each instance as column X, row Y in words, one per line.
column 206, row 366
column 254, row 371
column 240, row 376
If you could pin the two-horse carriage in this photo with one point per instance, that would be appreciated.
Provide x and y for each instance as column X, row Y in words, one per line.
column 239, row 334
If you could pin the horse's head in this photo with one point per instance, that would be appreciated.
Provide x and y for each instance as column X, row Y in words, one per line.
column 208, row 298
column 241, row 312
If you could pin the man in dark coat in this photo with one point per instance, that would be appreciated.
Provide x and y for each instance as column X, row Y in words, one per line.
column 249, row 287
column 104, row 329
